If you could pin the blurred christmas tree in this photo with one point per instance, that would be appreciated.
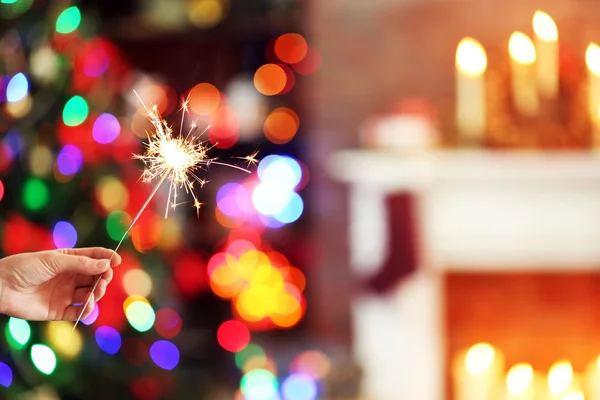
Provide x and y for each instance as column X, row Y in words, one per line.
column 69, row 124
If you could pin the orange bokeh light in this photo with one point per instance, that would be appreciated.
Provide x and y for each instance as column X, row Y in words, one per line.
column 146, row 234
column 281, row 125
column 310, row 63
column 270, row 79
column 204, row 99
column 291, row 48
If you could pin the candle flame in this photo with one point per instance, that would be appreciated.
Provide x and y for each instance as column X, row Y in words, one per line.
column 519, row 378
column 592, row 58
column 470, row 57
column 521, row 48
column 479, row 358
column 544, row 27
column 559, row 377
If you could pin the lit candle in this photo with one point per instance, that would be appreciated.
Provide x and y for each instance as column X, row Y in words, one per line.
column 520, row 382
column 592, row 379
column 478, row 373
column 592, row 60
column 546, row 45
column 522, row 60
column 471, row 63
column 561, row 380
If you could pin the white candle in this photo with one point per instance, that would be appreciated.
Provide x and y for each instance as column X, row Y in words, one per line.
column 592, row 380
column 546, row 45
column 471, row 64
column 522, row 65
column 592, row 60
column 478, row 373
column 520, row 383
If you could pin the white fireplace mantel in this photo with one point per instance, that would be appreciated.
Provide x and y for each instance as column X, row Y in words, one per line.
column 476, row 211
column 479, row 209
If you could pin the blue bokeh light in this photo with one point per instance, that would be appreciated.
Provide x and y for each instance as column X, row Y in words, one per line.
column 292, row 211
column 69, row 160
column 6, row 375
column 14, row 139
column 284, row 172
column 106, row 128
column 64, row 235
column 108, row 339
column 164, row 354
column 299, row 387
column 17, row 88
column 270, row 199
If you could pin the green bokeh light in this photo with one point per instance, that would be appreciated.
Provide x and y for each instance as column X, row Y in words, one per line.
column 252, row 350
column 18, row 333
column 140, row 316
column 259, row 383
column 76, row 111
column 68, row 20
column 8, row 1
column 116, row 225
column 43, row 358
column 35, row 194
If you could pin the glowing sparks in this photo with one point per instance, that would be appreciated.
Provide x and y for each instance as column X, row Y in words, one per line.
column 175, row 159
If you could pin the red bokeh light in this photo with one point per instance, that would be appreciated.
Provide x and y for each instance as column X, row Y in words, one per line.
column 168, row 323
column 233, row 336
column 190, row 274
column 134, row 351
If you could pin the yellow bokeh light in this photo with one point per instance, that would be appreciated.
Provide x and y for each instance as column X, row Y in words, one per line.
column 137, row 282
column 40, row 162
column 63, row 340
column 258, row 361
column 592, row 58
column 521, row 48
column 21, row 108
column 287, row 320
column 519, row 378
column 112, row 194
column 207, row 13
column 132, row 299
column 471, row 59
column 560, row 377
column 172, row 236
column 544, row 27
column 479, row 358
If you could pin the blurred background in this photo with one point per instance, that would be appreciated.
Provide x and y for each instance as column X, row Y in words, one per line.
column 420, row 222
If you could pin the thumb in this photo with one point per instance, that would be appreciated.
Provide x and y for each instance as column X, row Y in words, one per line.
column 80, row 264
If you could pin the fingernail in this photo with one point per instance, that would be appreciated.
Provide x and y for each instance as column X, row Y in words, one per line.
column 104, row 264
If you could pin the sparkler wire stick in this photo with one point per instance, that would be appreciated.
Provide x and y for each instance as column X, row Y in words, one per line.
column 121, row 241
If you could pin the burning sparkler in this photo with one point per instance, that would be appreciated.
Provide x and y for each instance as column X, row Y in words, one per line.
column 176, row 159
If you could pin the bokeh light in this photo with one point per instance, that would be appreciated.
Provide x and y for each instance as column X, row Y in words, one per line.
column 299, row 387
column 281, row 170
column 40, row 161
column 64, row 235
column 21, row 108
column 6, row 375
column 17, row 88
column 68, row 20
column 106, row 128
column 291, row 48
column 251, row 351
column 69, row 160
column 259, row 384
column 117, row 222
column 1, row 190
column 164, row 354
column 206, row 14
column 96, row 61
column 18, row 332
column 292, row 210
column 75, row 111
column 204, row 99
column 135, row 351
column 111, row 193
column 270, row 79
column 35, row 194
column 311, row 62
column 140, row 315
column 270, row 198
column 281, row 125
column 137, row 282
column 66, row 342
column 90, row 319
column 108, row 339
column 168, row 323
column 233, row 336
column 314, row 363
column 43, row 358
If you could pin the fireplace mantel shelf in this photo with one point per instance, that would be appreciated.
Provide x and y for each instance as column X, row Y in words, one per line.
column 392, row 171
column 478, row 210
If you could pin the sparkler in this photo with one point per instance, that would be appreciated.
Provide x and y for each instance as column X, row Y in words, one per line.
column 175, row 159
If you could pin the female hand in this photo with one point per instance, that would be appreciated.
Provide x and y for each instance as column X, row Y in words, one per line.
column 54, row 285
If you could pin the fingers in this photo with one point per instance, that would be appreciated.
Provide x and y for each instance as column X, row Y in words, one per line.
column 72, row 312
column 87, row 280
column 81, row 295
column 97, row 253
column 59, row 262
